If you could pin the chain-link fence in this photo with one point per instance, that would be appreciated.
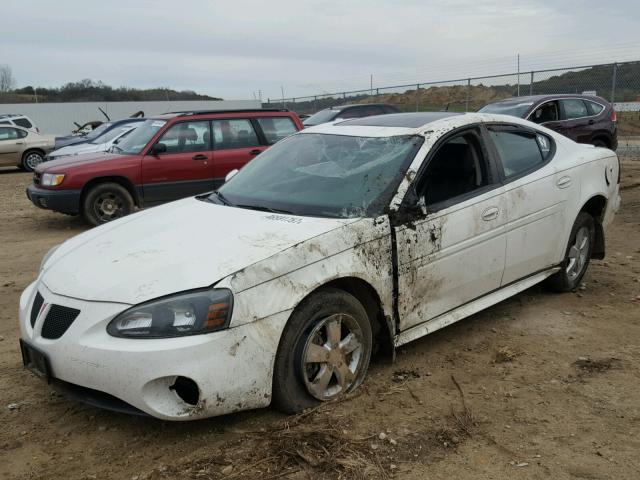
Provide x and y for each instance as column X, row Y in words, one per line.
column 618, row 83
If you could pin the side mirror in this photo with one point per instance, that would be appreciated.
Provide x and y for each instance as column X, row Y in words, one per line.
column 230, row 175
column 159, row 148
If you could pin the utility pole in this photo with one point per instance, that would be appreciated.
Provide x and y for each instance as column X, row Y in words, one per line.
column 518, row 94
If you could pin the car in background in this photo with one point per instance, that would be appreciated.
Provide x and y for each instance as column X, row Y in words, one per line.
column 582, row 118
column 167, row 157
column 103, row 143
column 94, row 134
column 22, row 147
column 19, row 121
column 345, row 237
column 344, row 112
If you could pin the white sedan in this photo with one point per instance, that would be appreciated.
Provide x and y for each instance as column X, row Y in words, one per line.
column 103, row 143
column 339, row 241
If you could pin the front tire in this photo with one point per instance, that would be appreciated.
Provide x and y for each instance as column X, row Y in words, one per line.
column 106, row 202
column 31, row 159
column 577, row 255
column 324, row 351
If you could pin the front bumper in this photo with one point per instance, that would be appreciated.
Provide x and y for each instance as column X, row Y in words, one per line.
column 64, row 201
column 232, row 369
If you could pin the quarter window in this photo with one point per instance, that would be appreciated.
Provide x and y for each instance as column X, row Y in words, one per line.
column 187, row 137
column 234, row 133
column 276, row 128
column 574, row 108
column 23, row 122
column 520, row 151
column 595, row 108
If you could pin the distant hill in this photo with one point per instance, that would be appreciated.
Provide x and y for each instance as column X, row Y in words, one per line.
column 454, row 98
column 90, row 91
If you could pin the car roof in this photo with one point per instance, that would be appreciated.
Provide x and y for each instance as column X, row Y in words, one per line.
column 403, row 120
column 189, row 113
column 343, row 107
column 541, row 98
column 11, row 115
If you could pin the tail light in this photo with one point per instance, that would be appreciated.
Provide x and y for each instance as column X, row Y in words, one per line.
column 614, row 116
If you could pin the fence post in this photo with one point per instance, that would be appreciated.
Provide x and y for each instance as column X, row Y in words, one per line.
column 613, row 82
column 417, row 97
column 466, row 106
column 531, row 84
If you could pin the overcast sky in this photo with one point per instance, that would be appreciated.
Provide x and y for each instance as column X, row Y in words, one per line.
column 237, row 47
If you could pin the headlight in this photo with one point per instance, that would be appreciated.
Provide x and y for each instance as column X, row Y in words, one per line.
column 47, row 255
column 192, row 313
column 52, row 179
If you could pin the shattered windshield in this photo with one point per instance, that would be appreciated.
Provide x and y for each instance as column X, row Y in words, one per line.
column 323, row 175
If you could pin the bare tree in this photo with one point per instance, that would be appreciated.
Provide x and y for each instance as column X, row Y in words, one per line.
column 7, row 81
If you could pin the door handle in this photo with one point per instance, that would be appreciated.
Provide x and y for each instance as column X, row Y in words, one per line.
column 200, row 157
column 19, row 143
column 490, row 213
column 255, row 152
column 564, row 182
column 591, row 122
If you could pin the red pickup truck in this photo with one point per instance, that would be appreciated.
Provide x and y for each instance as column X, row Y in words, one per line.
column 168, row 157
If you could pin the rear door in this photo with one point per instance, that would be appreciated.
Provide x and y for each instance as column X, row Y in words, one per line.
column 535, row 195
column 185, row 168
column 235, row 143
column 11, row 145
column 576, row 119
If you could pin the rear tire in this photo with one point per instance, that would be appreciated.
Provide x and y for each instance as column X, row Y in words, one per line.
column 106, row 202
column 599, row 143
column 31, row 159
column 577, row 255
column 324, row 351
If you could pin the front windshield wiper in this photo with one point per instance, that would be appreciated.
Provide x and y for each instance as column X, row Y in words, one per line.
column 262, row 208
column 222, row 198
column 114, row 147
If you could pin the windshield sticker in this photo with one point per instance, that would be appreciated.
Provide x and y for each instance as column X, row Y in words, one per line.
column 283, row 218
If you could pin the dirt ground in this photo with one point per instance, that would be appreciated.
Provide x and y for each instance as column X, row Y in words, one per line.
column 539, row 386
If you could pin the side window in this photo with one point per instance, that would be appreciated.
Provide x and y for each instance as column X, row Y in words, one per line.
column 457, row 168
column 276, row 128
column 547, row 112
column 23, row 122
column 574, row 108
column 595, row 108
column 11, row 133
column 520, row 151
column 187, row 137
column 234, row 133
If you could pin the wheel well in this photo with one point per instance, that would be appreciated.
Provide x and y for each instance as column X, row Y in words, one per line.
column 367, row 295
column 125, row 182
column 39, row 150
column 603, row 137
column 596, row 207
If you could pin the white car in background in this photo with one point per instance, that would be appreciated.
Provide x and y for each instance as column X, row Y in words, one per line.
column 103, row 143
column 337, row 241
column 18, row 120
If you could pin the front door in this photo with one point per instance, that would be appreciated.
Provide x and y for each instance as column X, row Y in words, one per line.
column 235, row 143
column 184, row 169
column 11, row 143
column 456, row 252
column 577, row 120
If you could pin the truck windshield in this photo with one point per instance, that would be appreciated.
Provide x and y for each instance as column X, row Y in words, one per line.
column 135, row 142
column 323, row 175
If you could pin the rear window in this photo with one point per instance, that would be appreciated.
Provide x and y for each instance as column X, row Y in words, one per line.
column 507, row 108
column 276, row 128
column 23, row 122
column 520, row 151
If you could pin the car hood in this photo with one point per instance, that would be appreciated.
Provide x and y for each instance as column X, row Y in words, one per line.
column 69, row 140
column 80, row 148
column 59, row 165
column 176, row 247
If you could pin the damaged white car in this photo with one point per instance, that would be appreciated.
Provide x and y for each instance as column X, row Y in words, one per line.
column 338, row 241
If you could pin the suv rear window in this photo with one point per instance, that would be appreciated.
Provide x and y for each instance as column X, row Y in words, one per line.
column 23, row 122
column 276, row 128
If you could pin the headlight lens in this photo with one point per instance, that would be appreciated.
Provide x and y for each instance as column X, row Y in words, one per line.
column 192, row 313
column 52, row 179
column 47, row 255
